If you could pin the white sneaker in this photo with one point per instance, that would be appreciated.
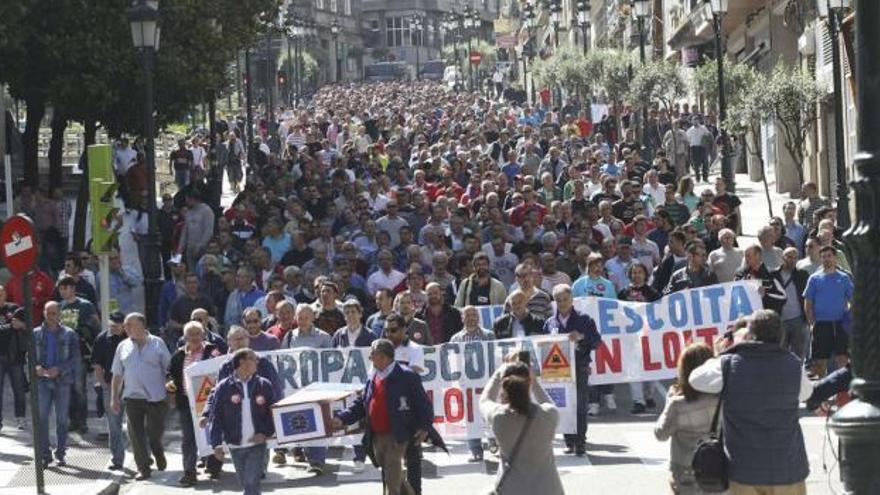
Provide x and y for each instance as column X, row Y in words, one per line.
column 593, row 409
column 22, row 423
column 610, row 403
column 358, row 466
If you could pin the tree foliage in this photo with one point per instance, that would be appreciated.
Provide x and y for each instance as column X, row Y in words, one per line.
column 76, row 56
column 738, row 80
column 656, row 81
column 793, row 97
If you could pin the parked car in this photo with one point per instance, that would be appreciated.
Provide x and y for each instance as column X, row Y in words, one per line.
column 386, row 71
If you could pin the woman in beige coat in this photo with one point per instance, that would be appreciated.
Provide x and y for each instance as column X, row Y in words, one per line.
column 686, row 420
column 505, row 404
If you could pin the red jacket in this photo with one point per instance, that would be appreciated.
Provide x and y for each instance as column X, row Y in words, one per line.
column 42, row 288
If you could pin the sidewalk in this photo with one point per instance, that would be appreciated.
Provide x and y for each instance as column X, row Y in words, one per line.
column 87, row 458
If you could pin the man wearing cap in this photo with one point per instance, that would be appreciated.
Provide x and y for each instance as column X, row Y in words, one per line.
column 13, row 342
column 102, row 364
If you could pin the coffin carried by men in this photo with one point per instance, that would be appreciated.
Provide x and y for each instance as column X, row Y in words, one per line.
column 306, row 414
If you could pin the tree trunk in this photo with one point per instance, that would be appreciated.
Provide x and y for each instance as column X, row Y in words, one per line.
column 82, row 195
column 31, row 140
column 760, row 157
column 56, row 149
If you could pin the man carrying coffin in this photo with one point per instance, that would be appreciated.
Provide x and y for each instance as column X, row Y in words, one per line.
column 397, row 410
column 241, row 418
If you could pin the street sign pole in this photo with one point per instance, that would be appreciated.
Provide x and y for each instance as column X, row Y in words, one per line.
column 32, row 372
column 19, row 250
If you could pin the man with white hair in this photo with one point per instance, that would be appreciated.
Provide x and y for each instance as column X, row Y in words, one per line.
column 727, row 259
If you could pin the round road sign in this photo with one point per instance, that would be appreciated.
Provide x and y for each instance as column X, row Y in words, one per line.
column 18, row 244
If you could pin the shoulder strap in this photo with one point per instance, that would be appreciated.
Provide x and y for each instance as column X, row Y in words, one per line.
column 715, row 428
column 516, row 447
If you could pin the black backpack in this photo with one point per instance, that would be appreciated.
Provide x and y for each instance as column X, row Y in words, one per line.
column 710, row 461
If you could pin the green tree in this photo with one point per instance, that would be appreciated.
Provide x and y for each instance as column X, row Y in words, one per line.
column 738, row 79
column 794, row 94
column 656, row 81
column 744, row 119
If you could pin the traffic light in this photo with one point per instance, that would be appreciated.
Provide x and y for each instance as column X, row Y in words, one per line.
column 282, row 78
column 102, row 197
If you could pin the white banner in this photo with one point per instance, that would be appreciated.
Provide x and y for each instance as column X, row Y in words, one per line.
column 454, row 377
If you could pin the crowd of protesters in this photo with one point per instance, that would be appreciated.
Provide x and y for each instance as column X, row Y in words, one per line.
column 393, row 210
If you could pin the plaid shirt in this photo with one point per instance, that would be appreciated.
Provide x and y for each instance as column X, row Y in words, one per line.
column 480, row 334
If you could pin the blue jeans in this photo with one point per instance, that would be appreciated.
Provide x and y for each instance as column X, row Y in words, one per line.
column 79, row 402
column 359, row 453
column 181, row 177
column 317, row 456
column 114, row 427
column 249, row 465
column 17, row 378
column 57, row 395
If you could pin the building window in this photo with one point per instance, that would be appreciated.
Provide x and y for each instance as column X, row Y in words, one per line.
column 397, row 32
column 333, row 6
column 319, row 4
column 347, row 4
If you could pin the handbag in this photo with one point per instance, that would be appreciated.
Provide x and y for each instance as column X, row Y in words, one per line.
column 710, row 461
column 516, row 447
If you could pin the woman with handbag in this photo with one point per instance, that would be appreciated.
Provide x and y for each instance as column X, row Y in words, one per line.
column 524, row 431
column 686, row 419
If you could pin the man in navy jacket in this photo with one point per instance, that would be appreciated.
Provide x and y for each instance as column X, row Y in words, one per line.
column 396, row 409
column 241, row 417
column 581, row 329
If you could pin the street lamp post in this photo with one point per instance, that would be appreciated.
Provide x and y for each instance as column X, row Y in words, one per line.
column 270, row 78
column 555, row 18
column 530, row 26
column 719, row 8
column 583, row 19
column 417, row 24
column 334, row 30
column 144, row 19
column 857, row 424
column 467, row 25
column 642, row 10
column 249, row 104
column 834, row 10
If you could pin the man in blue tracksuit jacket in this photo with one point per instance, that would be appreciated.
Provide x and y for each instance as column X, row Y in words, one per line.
column 241, row 417
column 582, row 330
column 404, row 414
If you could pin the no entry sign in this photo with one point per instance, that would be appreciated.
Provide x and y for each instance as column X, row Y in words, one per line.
column 475, row 57
column 18, row 244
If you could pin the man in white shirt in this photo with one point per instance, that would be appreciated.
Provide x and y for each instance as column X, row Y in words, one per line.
column 386, row 277
column 700, row 139
column 200, row 156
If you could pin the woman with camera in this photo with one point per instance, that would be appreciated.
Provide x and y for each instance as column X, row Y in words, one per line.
column 524, row 430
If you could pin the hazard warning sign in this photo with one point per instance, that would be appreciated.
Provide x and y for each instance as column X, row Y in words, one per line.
column 555, row 365
column 204, row 392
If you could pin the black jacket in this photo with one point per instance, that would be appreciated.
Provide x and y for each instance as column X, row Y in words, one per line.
column 798, row 278
column 503, row 325
column 175, row 371
column 774, row 293
column 452, row 323
column 663, row 272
